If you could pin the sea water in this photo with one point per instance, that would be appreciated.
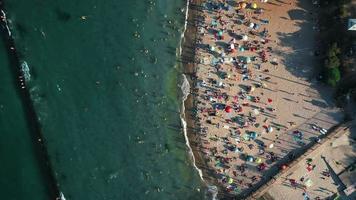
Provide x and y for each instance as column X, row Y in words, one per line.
column 20, row 168
column 104, row 79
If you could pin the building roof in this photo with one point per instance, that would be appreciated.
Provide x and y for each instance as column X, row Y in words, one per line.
column 351, row 25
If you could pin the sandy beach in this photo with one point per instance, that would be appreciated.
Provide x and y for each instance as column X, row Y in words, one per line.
column 255, row 100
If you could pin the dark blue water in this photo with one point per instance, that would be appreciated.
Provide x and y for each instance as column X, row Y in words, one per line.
column 104, row 82
column 20, row 174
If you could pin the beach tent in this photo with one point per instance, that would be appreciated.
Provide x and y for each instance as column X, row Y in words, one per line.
column 244, row 37
column 351, row 25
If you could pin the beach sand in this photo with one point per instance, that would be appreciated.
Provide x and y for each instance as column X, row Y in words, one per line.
column 223, row 115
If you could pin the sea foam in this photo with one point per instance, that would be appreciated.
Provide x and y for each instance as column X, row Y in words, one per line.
column 211, row 191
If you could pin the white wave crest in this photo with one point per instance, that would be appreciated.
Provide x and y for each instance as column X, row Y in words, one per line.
column 25, row 71
column 6, row 24
column 61, row 195
column 185, row 87
column 212, row 190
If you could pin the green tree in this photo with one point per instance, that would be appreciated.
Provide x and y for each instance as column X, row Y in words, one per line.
column 332, row 65
column 332, row 60
column 333, row 76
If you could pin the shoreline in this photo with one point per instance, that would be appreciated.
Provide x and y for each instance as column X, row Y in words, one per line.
column 31, row 115
column 188, row 59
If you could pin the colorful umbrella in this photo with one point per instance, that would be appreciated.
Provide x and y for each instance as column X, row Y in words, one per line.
column 230, row 180
column 254, row 5
column 249, row 158
column 308, row 182
column 258, row 160
column 228, row 109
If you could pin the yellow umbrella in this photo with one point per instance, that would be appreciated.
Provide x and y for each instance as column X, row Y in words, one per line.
column 254, row 5
column 230, row 180
column 258, row 160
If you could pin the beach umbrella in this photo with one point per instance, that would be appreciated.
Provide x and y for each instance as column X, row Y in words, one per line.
column 228, row 109
column 249, row 158
column 270, row 129
column 254, row 5
column 244, row 37
column 309, row 168
column 246, row 137
column 230, row 180
column 271, row 146
column 269, row 100
column 258, row 160
column 248, row 59
column 262, row 166
column 308, row 182
column 243, row 5
column 256, row 112
column 256, row 26
column 283, row 167
column 251, row 25
column 220, row 33
column 214, row 23
column 253, row 135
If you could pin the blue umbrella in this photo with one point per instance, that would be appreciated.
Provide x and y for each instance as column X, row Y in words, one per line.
column 253, row 135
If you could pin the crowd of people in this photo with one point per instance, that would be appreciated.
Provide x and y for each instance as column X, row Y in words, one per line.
column 235, row 57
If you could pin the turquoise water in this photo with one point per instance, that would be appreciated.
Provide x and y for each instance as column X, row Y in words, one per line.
column 104, row 84
column 20, row 175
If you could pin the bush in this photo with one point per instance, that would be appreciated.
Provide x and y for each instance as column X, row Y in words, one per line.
column 332, row 65
column 333, row 76
column 343, row 12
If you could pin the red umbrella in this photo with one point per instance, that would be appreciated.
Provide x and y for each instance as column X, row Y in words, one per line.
column 228, row 109
column 283, row 167
column 262, row 166
column 269, row 100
